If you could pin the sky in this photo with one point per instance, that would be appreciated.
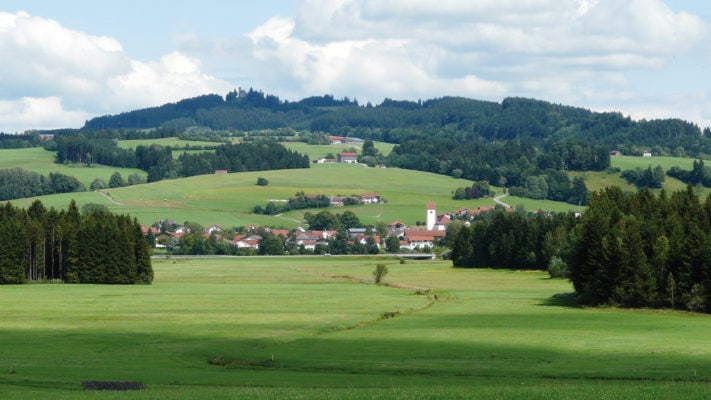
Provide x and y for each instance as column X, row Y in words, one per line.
column 64, row 62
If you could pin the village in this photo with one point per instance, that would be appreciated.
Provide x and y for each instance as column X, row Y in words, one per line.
column 393, row 237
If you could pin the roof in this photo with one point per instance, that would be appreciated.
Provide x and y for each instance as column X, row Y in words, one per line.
column 431, row 205
column 347, row 154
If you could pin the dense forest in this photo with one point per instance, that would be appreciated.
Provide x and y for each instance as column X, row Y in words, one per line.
column 635, row 250
column 49, row 245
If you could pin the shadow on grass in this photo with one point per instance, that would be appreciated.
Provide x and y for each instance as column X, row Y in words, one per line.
column 561, row 300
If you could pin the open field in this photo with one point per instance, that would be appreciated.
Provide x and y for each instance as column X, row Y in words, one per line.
column 316, row 152
column 629, row 162
column 39, row 160
column 312, row 327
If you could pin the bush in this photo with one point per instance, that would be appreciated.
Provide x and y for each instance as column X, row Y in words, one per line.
column 557, row 268
column 262, row 181
column 380, row 271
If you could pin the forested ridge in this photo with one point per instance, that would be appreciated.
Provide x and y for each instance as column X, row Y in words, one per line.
column 49, row 245
column 528, row 120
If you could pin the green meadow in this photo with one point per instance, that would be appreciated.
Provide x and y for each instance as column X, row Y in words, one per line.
column 316, row 327
column 39, row 160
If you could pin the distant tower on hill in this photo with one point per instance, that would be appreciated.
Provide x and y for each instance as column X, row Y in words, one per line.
column 431, row 216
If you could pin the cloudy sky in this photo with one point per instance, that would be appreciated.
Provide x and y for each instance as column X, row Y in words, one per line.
column 63, row 62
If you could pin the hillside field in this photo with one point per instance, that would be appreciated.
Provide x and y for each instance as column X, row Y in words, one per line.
column 315, row 327
column 229, row 199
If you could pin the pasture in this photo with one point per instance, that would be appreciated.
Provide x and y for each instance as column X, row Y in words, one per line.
column 314, row 327
column 229, row 199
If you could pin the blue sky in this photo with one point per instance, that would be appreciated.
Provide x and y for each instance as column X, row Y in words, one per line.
column 65, row 62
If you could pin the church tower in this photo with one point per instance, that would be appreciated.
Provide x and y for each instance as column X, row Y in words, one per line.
column 431, row 216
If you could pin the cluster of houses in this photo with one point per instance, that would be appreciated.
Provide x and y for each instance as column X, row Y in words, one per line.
column 410, row 238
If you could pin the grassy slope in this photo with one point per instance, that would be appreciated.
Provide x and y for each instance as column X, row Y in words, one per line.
column 41, row 161
column 229, row 199
column 490, row 334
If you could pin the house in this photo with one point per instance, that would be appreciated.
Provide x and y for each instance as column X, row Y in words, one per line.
column 370, row 198
column 348, row 157
column 220, row 171
column 419, row 238
column 615, row 153
column 337, row 139
column 213, row 228
column 396, row 226
column 441, row 222
column 647, row 154
column 247, row 242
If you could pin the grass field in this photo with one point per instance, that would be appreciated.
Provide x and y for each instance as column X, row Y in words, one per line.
column 165, row 142
column 311, row 328
column 38, row 160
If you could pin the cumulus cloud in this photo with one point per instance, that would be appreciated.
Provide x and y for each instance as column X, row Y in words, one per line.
column 581, row 52
column 52, row 76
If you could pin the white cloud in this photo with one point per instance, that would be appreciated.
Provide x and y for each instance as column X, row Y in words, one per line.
column 52, row 73
column 578, row 52
column 38, row 113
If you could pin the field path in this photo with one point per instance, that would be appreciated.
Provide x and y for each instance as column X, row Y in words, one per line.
column 111, row 199
column 497, row 199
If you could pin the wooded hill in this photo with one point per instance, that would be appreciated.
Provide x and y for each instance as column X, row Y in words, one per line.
column 393, row 121
column 523, row 144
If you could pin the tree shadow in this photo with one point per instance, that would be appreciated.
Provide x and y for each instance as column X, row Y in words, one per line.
column 561, row 300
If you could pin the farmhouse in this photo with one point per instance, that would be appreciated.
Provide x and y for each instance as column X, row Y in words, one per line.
column 348, row 157
column 370, row 198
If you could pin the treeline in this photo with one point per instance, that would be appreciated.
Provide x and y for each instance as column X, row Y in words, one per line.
column 98, row 247
column 636, row 250
column 159, row 163
column 20, row 141
column 18, row 183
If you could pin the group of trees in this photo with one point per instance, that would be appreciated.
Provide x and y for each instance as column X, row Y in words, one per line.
column 642, row 250
column 510, row 240
column 634, row 250
column 477, row 190
column 699, row 174
column 298, row 202
column 522, row 167
column 96, row 247
column 18, row 183
column 650, row 178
